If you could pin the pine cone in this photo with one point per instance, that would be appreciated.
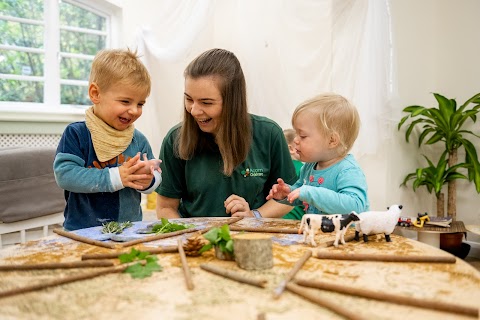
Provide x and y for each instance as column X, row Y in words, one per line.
column 193, row 246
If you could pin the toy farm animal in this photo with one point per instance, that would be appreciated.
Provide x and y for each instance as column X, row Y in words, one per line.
column 327, row 223
column 375, row 222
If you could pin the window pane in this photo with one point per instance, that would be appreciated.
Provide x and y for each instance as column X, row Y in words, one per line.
column 28, row 9
column 21, row 34
column 77, row 95
column 74, row 16
column 21, row 63
column 75, row 69
column 76, row 42
column 21, row 91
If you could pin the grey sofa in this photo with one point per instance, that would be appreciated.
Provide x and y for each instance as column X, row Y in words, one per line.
column 29, row 195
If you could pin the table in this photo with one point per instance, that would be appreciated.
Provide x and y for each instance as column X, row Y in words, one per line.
column 431, row 234
column 164, row 295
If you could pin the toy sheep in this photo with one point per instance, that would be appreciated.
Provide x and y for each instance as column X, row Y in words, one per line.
column 375, row 222
column 327, row 223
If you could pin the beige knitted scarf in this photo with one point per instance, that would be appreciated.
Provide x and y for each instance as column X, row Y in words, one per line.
column 107, row 141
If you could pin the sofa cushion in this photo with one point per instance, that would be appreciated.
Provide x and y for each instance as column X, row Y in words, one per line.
column 27, row 184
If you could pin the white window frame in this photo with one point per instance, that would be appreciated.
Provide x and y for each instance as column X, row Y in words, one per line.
column 51, row 110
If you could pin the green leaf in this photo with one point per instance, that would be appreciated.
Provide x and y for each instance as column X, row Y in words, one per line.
column 206, row 248
column 219, row 237
column 165, row 226
column 212, row 235
column 229, row 246
column 128, row 257
column 138, row 270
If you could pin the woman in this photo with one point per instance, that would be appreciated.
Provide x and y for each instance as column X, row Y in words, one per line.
column 221, row 160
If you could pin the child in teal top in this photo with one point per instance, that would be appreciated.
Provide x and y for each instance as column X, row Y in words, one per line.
column 331, row 181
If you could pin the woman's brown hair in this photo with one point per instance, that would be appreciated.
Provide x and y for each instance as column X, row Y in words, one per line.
column 234, row 135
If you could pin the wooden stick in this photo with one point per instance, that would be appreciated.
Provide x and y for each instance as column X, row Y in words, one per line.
column 114, row 255
column 389, row 297
column 338, row 308
column 384, row 257
column 229, row 222
column 60, row 281
column 157, row 237
column 76, row 237
column 298, row 265
column 186, row 269
column 265, row 230
column 57, row 265
column 234, row 275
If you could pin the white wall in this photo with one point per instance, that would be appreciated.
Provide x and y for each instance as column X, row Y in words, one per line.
column 436, row 45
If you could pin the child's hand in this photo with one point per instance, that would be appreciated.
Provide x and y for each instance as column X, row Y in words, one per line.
column 134, row 174
column 148, row 167
column 292, row 196
column 279, row 191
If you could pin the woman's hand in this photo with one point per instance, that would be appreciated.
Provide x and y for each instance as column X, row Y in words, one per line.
column 237, row 206
column 279, row 191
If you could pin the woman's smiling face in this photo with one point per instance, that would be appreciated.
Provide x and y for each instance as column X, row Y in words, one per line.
column 204, row 102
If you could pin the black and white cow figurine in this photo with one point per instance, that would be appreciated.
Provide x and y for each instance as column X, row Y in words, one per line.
column 327, row 223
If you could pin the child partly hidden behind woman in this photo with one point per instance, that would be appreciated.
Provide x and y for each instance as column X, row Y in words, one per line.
column 331, row 181
column 103, row 162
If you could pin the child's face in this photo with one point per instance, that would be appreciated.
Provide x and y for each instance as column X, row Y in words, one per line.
column 311, row 145
column 204, row 102
column 119, row 106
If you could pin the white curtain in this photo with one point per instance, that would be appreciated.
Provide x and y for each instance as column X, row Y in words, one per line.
column 289, row 50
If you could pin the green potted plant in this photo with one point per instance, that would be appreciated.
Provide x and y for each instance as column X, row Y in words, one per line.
column 221, row 240
column 445, row 124
column 434, row 178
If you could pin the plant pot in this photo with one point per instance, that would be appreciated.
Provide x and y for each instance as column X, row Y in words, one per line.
column 452, row 243
column 451, row 240
column 219, row 254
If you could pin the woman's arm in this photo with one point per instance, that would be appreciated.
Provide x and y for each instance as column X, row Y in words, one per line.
column 273, row 209
column 238, row 207
column 167, row 207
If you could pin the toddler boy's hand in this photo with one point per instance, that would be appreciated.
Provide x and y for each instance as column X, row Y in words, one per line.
column 147, row 167
column 132, row 175
column 279, row 191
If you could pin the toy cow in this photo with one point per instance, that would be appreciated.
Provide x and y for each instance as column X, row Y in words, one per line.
column 376, row 222
column 327, row 223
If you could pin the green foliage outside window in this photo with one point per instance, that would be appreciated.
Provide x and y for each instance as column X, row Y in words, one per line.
column 17, row 62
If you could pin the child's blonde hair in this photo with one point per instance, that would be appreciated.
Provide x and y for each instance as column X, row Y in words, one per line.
column 289, row 135
column 334, row 115
column 114, row 66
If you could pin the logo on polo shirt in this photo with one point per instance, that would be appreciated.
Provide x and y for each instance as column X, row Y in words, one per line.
column 252, row 172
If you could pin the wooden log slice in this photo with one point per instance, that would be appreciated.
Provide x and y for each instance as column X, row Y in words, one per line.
column 253, row 251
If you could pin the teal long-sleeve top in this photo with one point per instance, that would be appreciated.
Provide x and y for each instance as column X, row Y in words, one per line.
column 338, row 189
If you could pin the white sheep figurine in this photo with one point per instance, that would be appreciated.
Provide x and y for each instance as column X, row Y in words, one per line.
column 376, row 222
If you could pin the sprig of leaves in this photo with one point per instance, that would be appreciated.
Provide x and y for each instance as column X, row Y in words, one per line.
column 139, row 270
column 219, row 237
column 166, row 226
column 115, row 227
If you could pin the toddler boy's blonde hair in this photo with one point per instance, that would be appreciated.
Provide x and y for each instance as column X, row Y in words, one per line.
column 334, row 114
column 289, row 135
column 117, row 66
